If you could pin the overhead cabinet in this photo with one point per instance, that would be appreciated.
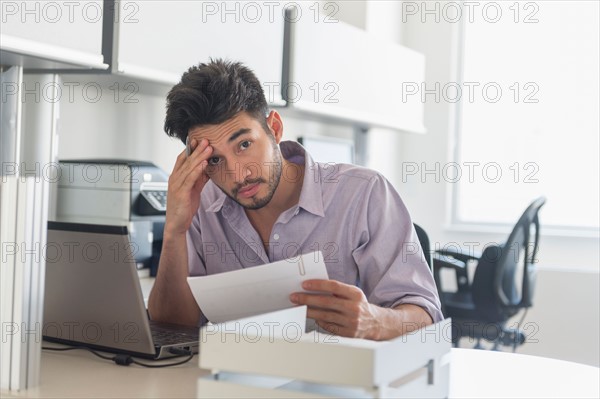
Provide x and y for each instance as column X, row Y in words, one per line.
column 309, row 62
column 52, row 34
column 340, row 72
column 168, row 37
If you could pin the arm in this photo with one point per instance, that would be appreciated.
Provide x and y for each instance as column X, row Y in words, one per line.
column 171, row 299
column 392, row 270
column 388, row 255
column 343, row 310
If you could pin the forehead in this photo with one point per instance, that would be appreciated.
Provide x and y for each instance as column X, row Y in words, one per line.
column 220, row 133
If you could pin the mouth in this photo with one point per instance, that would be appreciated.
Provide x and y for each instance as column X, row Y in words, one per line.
column 249, row 190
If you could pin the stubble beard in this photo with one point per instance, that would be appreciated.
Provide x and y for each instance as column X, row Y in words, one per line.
column 275, row 169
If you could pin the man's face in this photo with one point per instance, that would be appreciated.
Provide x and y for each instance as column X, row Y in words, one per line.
column 246, row 163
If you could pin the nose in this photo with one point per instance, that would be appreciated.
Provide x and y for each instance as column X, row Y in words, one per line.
column 237, row 171
column 242, row 173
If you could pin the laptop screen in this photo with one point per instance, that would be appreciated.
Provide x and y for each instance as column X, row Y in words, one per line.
column 92, row 291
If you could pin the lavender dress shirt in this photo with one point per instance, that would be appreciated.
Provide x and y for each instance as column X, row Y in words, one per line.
column 351, row 214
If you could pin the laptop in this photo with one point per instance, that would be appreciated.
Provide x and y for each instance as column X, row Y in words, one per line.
column 93, row 296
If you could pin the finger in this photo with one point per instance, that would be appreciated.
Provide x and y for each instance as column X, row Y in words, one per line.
column 327, row 316
column 196, row 176
column 334, row 287
column 179, row 161
column 192, row 169
column 197, row 148
column 319, row 301
column 203, row 178
column 202, row 153
column 183, row 157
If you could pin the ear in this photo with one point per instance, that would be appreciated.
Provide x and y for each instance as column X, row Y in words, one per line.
column 275, row 125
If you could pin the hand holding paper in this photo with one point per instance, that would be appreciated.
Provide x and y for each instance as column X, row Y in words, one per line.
column 255, row 290
column 339, row 308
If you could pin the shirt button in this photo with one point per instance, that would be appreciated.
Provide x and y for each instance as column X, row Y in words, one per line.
column 276, row 236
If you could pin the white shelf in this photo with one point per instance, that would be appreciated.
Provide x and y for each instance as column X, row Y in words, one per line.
column 53, row 35
column 349, row 74
column 171, row 36
column 35, row 54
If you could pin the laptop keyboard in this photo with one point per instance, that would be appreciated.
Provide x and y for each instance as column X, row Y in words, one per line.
column 172, row 334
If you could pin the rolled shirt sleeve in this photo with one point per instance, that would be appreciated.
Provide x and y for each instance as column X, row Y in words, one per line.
column 388, row 255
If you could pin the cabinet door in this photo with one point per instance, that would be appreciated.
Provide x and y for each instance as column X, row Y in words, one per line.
column 164, row 38
column 343, row 72
column 53, row 34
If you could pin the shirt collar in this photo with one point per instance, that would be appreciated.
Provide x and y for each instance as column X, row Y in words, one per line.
column 311, row 196
column 218, row 203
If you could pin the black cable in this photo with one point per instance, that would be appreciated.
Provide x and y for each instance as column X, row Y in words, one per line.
column 122, row 359
column 187, row 359
column 70, row 348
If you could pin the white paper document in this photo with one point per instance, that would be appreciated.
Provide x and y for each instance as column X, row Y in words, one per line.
column 255, row 290
column 281, row 324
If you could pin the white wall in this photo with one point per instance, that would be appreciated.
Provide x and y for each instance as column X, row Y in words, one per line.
column 566, row 302
column 129, row 125
column 565, row 312
column 126, row 126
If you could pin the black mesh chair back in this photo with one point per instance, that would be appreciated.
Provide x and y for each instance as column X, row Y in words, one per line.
column 503, row 282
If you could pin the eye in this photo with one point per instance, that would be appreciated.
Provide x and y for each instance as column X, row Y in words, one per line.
column 244, row 145
column 214, row 161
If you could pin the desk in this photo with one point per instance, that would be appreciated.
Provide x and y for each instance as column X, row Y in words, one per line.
column 80, row 374
column 486, row 374
column 473, row 373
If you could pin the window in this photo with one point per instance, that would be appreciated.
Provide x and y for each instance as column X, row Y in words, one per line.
column 528, row 116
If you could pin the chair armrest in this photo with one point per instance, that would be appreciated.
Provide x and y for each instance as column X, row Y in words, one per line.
column 441, row 261
column 460, row 269
column 464, row 257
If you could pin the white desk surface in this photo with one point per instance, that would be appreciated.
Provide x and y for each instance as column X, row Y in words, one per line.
column 473, row 373
column 80, row 374
column 486, row 374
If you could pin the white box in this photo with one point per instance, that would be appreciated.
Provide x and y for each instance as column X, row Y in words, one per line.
column 415, row 364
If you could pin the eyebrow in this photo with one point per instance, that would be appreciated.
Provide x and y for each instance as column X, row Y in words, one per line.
column 238, row 134
column 235, row 135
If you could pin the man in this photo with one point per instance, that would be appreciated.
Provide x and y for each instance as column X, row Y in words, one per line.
column 244, row 198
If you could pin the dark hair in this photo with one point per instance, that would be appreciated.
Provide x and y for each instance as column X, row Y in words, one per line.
column 212, row 93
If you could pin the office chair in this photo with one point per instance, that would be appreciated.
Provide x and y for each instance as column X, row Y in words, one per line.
column 480, row 309
column 424, row 241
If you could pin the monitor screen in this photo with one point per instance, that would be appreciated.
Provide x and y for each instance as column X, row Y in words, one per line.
column 328, row 149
